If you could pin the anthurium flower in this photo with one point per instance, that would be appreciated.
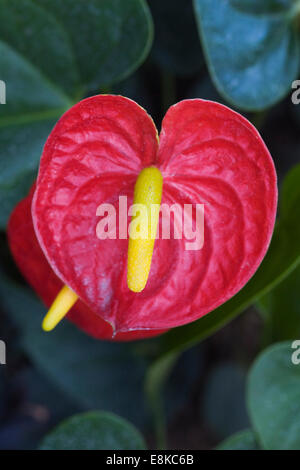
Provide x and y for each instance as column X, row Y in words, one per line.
column 106, row 147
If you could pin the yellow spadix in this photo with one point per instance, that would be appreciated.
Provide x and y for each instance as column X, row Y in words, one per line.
column 59, row 309
column 143, row 227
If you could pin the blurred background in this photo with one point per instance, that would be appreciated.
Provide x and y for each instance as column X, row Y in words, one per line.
column 52, row 54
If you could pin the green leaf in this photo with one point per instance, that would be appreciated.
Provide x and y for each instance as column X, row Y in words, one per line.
column 274, row 398
column 252, row 51
column 243, row 440
column 94, row 431
column 52, row 54
column 13, row 192
column 176, row 46
column 20, row 150
column 291, row 196
column 281, row 309
column 282, row 258
column 95, row 374
column 109, row 38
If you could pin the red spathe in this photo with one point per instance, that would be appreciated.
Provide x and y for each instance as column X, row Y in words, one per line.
column 208, row 154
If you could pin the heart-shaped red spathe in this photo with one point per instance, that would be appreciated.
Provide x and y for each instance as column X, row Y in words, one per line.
column 207, row 154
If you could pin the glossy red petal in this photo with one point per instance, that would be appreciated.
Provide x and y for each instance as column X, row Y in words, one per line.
column 208, row 154
column 37, row 271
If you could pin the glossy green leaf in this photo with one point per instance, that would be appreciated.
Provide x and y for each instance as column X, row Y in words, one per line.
column 95, row 374
column 53, row 53
column 12, row 192
column 282, row 258
column 252, row 51
column 109, row 38
column 243, row 440
column 281, row 309
column 94, row 431
column 274, row 398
